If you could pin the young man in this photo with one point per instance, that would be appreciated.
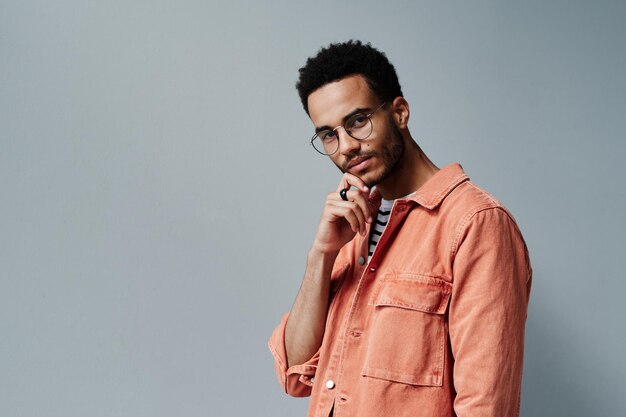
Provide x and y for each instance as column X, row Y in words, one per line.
column 415, row 294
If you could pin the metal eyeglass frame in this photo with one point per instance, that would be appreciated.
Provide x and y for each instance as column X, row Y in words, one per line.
column 369, row 118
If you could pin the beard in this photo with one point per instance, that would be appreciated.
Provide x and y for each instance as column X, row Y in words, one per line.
column 391, row 156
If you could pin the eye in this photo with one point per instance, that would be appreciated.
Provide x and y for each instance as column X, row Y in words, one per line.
column 327, row 135
column 357, row 121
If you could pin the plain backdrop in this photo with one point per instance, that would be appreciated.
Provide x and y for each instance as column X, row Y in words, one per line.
column 159, row 194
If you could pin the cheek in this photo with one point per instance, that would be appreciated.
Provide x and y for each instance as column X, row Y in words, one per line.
column 337, row 162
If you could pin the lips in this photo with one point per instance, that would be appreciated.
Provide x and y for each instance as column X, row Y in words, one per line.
column 358, row 163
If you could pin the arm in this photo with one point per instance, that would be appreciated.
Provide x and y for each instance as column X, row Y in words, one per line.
column 296, row 341
column 305, row 327
column 339, row 223
column 492, row 278
column 297, row 380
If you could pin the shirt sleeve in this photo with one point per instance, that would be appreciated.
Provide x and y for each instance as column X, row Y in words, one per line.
column 296, row 380
column 487, row 317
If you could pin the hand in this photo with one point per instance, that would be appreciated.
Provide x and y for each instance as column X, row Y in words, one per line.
column 342, row 220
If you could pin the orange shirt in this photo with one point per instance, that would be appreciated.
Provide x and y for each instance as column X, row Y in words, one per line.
column 434, row 324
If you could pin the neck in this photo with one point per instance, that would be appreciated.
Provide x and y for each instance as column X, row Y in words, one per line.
column 411, row 173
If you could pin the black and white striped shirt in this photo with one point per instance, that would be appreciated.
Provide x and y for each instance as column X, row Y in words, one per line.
column 379, row 224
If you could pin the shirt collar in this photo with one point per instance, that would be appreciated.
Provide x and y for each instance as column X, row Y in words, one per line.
column 436, row 188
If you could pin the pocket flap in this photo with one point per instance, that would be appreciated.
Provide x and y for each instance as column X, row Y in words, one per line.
column 414, row 292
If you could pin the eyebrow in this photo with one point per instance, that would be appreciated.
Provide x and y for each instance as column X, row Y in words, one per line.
column 363, row 110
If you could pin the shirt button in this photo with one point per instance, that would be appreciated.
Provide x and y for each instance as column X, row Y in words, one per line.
column 330, row 384
column 361, row 260
column 372, row 269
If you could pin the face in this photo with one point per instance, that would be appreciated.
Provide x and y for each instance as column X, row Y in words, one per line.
column 374, row 159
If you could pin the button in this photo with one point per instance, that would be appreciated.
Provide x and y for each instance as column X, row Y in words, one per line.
column 372, row 269
column 361, row 260
column 330, row 384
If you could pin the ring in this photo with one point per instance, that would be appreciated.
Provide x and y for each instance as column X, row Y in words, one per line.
column 344, row 194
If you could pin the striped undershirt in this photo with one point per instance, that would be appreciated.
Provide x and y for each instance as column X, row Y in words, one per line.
column 379, row 224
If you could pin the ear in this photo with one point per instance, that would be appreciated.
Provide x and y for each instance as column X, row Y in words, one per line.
column 400, row 112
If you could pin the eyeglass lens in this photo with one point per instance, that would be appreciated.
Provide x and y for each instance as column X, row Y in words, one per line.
column 358, row 126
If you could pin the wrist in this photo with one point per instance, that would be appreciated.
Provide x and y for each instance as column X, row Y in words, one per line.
column 322, row 252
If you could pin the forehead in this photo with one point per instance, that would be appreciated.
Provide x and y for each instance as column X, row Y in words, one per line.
column 331, row 102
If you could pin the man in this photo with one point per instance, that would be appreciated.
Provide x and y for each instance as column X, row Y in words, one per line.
column 415, row 294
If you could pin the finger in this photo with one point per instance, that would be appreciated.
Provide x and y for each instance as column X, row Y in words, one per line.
column 362, row 200
column 348, row 180
column 352, row 218
column 352, row 212
column 357, row 196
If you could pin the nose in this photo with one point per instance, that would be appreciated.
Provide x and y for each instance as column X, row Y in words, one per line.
column 347, row 144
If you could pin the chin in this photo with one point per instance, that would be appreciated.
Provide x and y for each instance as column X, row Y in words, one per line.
column 371, row 179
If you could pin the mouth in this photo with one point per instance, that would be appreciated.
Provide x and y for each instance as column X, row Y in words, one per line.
column 358, row 164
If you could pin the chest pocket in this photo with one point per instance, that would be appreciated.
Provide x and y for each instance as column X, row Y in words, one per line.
column 408, row 332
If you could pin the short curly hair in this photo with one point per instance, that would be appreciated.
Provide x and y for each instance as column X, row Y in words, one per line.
column 340, row 60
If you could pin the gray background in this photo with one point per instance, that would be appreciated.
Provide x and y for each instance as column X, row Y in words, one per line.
column 159, row 193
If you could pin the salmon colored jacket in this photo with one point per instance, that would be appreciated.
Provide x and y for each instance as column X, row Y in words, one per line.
column 433, row 324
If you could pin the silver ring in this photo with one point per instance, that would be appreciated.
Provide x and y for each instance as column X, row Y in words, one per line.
column 344, row 194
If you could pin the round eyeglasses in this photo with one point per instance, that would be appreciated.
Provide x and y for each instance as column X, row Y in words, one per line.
column 359, row 126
